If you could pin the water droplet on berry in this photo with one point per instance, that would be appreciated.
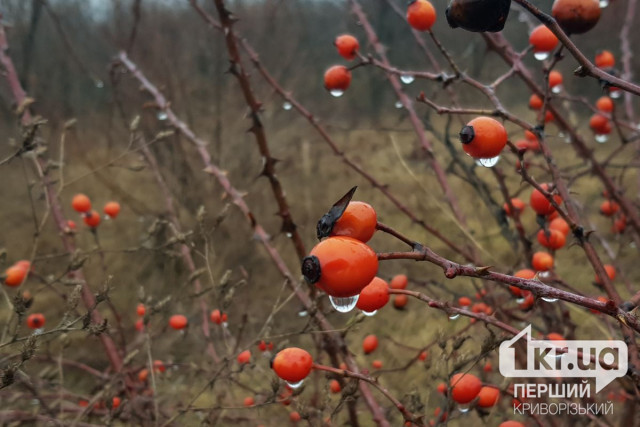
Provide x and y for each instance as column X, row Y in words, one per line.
column 287, row 105
column 398, row 104
column 344, row 305
column 99, row 84
column 369, row 313
column 602, row 138
column 407, row 79
column 488, row 163
column 557, row 89
column 162, row 115
column 336, row 92
column 547, row 299
column 454, row 316
column 541, row 56
column 604, row 3
column 295, row 385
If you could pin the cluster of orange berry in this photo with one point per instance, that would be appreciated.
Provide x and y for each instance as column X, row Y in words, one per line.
column 82, row 204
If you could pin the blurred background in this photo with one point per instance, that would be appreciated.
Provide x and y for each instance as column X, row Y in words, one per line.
column 64, row 52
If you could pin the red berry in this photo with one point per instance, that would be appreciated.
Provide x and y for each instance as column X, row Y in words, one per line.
column 605, row 59
column 115, row 402
column 605, row 104
column 551, row 239
column 348, row 46
column 141, row 310
column 400, row 301
column 334, row 385
column 244, row 357
column 539, row 202
column 399, row 281
column 535, row 102
column 92, row 219
column 488, row 397
column 483, row 137
column 464, row 387
column 518, row 205
column 341, row 266
column 611, row 273
column 421, row 15
column 609, row 208
column 542, row 39
column 35, row 321
column 376, row 364
column 337, row 78
column 178, row 321
column 249, row 401
column 561, row 225
column 370, row 344
column 359, row 221
column 81, row 203
column 374, row 296
column 542, row 261
column 15, row 275
column 112, row 209
column 555, row 78
column 292, row 364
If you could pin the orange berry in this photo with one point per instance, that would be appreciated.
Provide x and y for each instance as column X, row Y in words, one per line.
column 112, row 209
column 539, row 202
column 542, row 261
column 442, row 388
column 141, row 310
column 528, row 302
column 341, row 266
column 178, row 321
column 158, row 366
column 347, row 46
column 400, row 301
column 605, row 59
column 600, row 124
column 81, row 203
column 483, row 137
column 542, row 39
column 487, row 367
column 35, row 321
column 369, row 344
column 560, row 225
column 143, row 375
column 294, row 417
column 611, row 273
column 140, row 325
column 619, row 224
column 337, row 78
column 15, row 275
column 488, row 397
column 399, row 281
column 359, row 221
column 511, row 424
column 609, row 208
column 464, row 387
column 374, row 296
column 535, row 102
column 71, row 225
column 244, row 357
column 551, row 239
column 216, row 316
column 334, row 386
column 376, row 364
column 464, row 301
column 423, row 355
column 576, row 16
column 262, row 346
column 292, row 364
column 249, row 401
column 548, row 116
column 115, row 402
column 605, row 104
column 518, row 205
column 421, row 15
column 92, row 219
column 555, row 78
